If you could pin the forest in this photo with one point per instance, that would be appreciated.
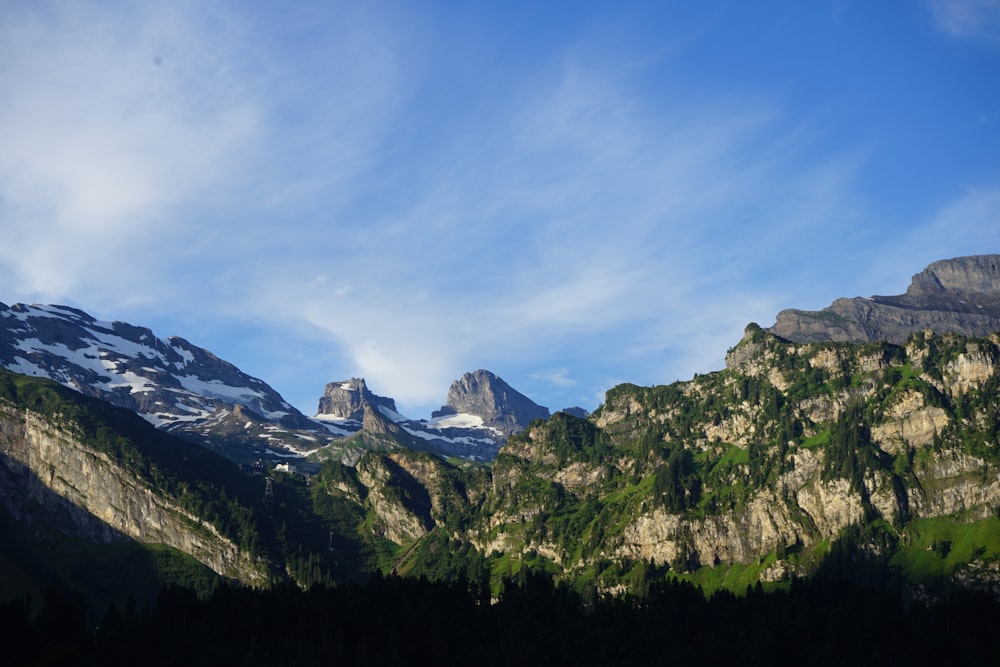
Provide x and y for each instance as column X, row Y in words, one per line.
column 404, row 621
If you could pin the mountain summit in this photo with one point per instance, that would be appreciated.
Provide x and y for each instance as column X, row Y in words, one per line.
column 481, row 412
column 347, row 400
column 486, row 395
column 960, row 295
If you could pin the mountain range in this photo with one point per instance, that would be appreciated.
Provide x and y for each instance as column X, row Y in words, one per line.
column 189, row 391
column 868, row 459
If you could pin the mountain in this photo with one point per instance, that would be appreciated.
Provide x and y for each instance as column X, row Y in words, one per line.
column 174, row 385
column 485, row 395
column 872, row 462
column 960, row 295
column 850, row 459
column 187, row 390
column 347, row 400
column 83, row 483
column 854, row 460
column 481, row 412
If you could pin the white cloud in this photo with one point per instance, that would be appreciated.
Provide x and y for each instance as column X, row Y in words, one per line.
column 289, row 169
column 967, row 19
column 594, row 218
column 559, row 377
column 114, row 116
column 148, row 147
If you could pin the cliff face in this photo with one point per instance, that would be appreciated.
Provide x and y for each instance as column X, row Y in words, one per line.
column 959, row 295
column 98, row 499
column 348, row 400
column 761, row 466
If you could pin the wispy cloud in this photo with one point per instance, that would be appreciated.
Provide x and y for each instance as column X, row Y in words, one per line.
column 309, row 170
column 967, row 19
column 968, row 225
column 595, row 218
column 147, row 134
column 109, row 127
column 559, row 377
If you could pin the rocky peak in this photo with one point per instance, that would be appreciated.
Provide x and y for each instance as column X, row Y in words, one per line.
column 960, row 295
column 349, row 398
column 486, row 395
column 969, row 277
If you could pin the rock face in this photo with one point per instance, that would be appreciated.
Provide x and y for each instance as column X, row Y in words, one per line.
column 348, row 399
column 775, row 457
column 484, row 394
column 959, row 295
column 43, row 465
column 482, row 411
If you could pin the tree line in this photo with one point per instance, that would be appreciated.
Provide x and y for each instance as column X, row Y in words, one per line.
column 397, row 621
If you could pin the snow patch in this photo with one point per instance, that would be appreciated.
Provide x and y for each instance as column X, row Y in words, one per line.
column 461, row 420
column 186, row 355
column 340, row 428
column 463, row 440
column 286, row 455
column 392, row 414
column 217, row 389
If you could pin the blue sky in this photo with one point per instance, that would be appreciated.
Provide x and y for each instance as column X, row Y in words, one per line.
column 570, row 194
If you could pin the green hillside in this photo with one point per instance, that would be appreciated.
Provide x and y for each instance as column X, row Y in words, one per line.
column 874, row 463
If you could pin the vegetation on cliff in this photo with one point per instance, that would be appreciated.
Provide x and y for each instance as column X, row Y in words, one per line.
column 752, row 473
column 873, row 462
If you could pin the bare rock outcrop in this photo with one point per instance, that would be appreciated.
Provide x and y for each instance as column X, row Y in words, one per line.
column 101, row 500
column 349, row 398
column 960, row 295
column 484, row 394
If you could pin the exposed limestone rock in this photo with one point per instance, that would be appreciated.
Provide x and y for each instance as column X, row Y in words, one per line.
column 52, row 467
column 909, row 423
column 402, row 519
column 375, row 423
column 751, row 356
column 429, row 472
column 580, row 478
column 956, row 482
column 970, row 370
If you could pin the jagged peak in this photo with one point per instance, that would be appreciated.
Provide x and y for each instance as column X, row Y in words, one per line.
column 347, row 399
column 486, row 395
column 974, row 274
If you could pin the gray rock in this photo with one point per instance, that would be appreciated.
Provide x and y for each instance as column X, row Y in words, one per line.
column 348, row 399
column 486, row 395
column 959, row 295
